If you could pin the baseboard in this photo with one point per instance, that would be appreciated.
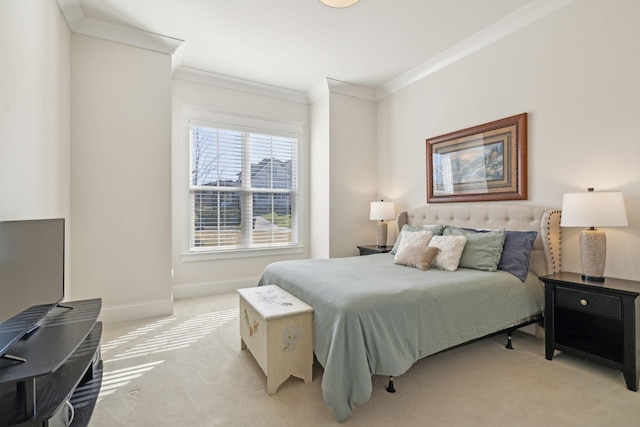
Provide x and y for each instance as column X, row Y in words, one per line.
column 158, row 308
column 136, row 311
column 195, row 290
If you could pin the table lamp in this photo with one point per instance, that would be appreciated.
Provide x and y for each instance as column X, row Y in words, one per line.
column 380, row 211
column 593, row 209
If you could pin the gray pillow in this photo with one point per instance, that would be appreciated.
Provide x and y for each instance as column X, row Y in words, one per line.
column 483, row 249
column 435, row 229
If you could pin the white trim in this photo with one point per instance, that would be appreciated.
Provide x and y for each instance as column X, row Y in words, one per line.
column 247, row 86
column 318, row 91
column 79, row 23
column 491, row 34
column 199, row 117
column 329, row 85
column 211, row 118
column 195, row 290
column 136, row 311
column 349, row 89
column 519, row 19
column 240, row 253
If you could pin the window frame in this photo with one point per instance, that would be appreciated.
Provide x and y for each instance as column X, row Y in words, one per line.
column 244, row 124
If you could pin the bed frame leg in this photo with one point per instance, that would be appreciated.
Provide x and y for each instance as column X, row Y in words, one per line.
column 390, row 387
column 509, row 333
column 509, row 346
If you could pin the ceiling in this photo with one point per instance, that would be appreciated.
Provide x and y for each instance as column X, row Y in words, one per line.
column 295, row 44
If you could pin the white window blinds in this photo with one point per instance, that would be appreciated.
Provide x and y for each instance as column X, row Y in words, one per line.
column 243, row 188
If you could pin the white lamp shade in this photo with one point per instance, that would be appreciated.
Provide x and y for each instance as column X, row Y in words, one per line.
column 339, row 3
column 380, row 211
column 593, row 209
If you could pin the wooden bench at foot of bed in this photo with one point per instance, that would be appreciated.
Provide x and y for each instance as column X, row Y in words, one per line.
column 278, row 330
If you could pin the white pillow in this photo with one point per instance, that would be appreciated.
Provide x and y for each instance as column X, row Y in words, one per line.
column 413, row 238
column 451, row 248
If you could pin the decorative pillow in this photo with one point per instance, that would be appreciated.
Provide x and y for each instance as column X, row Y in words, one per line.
column 417, row 256
column 451, row 248
column 483, row 249
column 413, row 238
column 435, row 229
column 516, row 253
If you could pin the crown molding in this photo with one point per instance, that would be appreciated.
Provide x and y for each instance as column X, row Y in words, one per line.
column 318, row 91
column 328, row 85
column 497, row 31
column 218, row 80
column 81, row 24
column 350, row 89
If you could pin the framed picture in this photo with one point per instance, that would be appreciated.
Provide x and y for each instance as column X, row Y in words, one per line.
column 481, row 163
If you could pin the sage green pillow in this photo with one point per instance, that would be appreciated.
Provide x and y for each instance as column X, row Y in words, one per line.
column 435, row 229
column 483, row 249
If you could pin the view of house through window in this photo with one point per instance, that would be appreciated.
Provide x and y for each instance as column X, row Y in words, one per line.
column 242, row 189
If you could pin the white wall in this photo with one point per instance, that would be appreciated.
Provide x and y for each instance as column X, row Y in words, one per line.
column 343, row 169
column 204, row 275
column 34, row 113
column 575, row 73
column 320, row 178
column 352, row 176
column 121, row 177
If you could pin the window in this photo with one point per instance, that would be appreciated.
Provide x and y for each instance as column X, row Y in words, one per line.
column 243, row 188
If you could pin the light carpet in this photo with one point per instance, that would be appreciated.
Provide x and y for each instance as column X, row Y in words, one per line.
column 188, row 370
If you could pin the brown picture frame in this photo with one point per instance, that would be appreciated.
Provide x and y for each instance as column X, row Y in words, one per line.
column 487, row 162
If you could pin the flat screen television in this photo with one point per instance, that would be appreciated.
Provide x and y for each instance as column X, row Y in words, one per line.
column 31, row 275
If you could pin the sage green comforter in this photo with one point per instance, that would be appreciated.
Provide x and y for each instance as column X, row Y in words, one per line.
column 372, row 316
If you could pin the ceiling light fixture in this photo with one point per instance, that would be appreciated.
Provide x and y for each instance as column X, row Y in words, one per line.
column 339, row 3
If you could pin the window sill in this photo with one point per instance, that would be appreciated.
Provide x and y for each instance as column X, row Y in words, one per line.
column 240, row 253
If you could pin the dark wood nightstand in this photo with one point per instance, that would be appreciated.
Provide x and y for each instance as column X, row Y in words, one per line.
column 374, row 249
column 598, row 321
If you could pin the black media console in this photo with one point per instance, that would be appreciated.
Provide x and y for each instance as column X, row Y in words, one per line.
column 62, row 371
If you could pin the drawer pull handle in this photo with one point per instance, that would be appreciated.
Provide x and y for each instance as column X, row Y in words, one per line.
column 584, row 302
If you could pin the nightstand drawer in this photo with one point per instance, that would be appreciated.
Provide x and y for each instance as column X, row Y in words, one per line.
column 589, row 302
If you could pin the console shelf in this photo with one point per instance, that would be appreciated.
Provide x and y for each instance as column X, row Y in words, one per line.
column 62, row 358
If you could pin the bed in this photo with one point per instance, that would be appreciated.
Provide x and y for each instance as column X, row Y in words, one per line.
column 373, row 316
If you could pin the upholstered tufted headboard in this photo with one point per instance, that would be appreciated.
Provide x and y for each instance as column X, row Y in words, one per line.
column 545, row 257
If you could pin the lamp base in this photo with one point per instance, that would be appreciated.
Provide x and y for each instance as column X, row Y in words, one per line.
column 382, row 233
column 593, row 252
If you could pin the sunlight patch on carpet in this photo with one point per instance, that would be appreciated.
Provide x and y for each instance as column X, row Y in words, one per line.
column 177, row 336
column 113, row 380
column 130, row 336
